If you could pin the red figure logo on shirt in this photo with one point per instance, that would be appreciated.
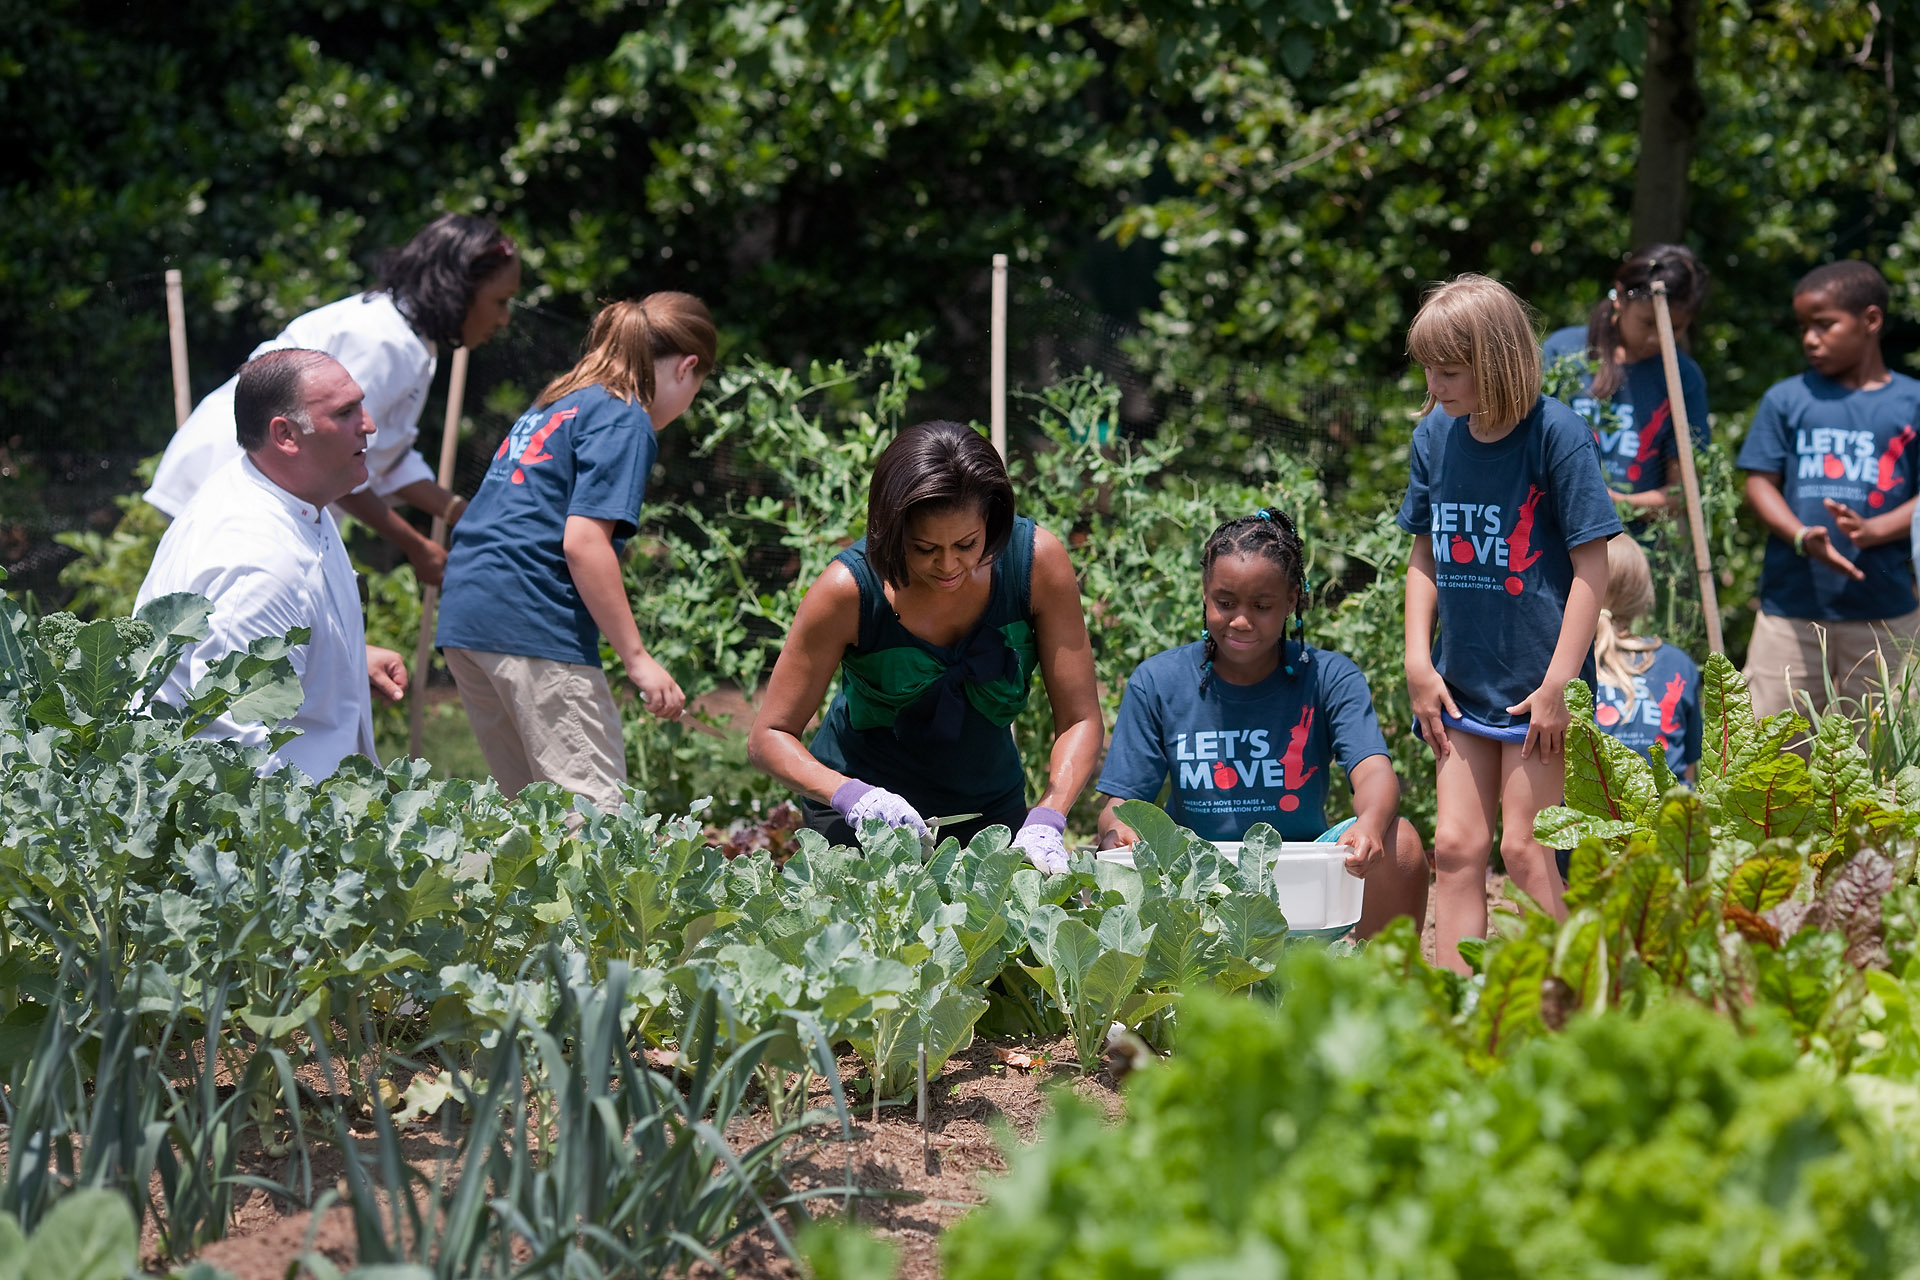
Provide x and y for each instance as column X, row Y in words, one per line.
column 1670, row 705
column 533, row 452
column 1895, row 447
column 1649, row 440
column 1294, row 775
column 1520, row 553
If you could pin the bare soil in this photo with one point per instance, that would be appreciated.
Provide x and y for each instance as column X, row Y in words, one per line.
column 994, row 1093
column 916, row 1182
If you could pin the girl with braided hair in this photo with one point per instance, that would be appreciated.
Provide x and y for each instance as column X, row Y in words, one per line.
column 1243, row 726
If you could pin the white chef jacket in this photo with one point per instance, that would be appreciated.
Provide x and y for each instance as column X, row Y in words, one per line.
column 269, row 562
column 393, row 365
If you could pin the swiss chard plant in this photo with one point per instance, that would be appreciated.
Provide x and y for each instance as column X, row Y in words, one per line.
column 1765, row 885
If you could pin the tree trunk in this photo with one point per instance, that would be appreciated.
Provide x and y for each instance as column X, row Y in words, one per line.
column 1671, row 109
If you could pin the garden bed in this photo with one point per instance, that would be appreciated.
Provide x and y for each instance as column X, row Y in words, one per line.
column 923, row 1183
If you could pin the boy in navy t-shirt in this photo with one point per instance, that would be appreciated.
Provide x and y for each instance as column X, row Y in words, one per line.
column 1832, row 469
column 1245, row 725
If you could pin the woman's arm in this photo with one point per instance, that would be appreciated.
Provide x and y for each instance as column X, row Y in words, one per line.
column 1546, row 707
column 428, row 558
column 595, row 568
column 1425, row 688
column 825, row 626
column 1066, row 667
column 425, row 495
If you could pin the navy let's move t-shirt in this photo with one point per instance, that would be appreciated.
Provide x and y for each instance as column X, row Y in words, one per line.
column 1856, row 447
column 1666, row 708
column 1241, row 754
column 1502, row 517
column 508, row 588
column 1638, row 443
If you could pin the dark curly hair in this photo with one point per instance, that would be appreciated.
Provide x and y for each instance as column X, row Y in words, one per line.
column 1675, row 266
column 1852, row 284
column 433, row 276
column 1269, row 533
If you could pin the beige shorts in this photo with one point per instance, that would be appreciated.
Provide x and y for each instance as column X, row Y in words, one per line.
column 1786, row 665
column 543, row 721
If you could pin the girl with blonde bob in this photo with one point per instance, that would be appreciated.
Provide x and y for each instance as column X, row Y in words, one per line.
column 1510, row 518
column 533, row 580
column 1647, row 691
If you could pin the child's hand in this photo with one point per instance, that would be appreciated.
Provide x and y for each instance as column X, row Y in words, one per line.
column 1427, row 690
column 1365, row 850
column 1818, row 546
column 658, row 691
column 1860, row 530
column 1547, row 719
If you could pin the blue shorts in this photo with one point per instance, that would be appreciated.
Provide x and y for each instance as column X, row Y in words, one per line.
column 1478, row 728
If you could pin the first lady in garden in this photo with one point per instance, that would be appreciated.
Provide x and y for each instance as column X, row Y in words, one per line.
column 936, row 621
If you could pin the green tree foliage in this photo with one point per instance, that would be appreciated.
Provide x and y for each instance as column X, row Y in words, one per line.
column 823, row 172
column 1312, row 210
column 831, row 170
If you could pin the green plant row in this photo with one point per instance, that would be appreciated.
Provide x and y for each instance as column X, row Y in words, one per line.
column 171, row 919
column 1710, row 1068
column 1336, row 1134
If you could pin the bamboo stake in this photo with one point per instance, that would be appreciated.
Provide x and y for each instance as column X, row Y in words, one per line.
column 177, row 340
column 1689, row 479
column 430, row 596
column 926, row 1134
column 998, row 407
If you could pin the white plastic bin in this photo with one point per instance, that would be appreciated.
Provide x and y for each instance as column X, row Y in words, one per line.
column 1310, row 884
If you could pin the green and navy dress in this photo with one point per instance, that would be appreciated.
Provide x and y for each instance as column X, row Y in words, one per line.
column 929, row 723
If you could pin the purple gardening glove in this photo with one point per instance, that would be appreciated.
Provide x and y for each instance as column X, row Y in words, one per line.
column 1041, row 839
column 856, row 801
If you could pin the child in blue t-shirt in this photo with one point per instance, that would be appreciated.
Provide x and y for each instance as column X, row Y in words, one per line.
column 1510, row 519
column 1832, row 467
column 1647, row 691
column 1624, row 397
column 533, row 579
column 1245, row 725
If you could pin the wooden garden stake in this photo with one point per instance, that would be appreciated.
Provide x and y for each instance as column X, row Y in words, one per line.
column 430, row 596
column 1689, row 478
column 926, row 1134
column 177, row 341
column 997, row 407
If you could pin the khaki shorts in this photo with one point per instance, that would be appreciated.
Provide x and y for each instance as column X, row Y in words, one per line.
column 543, row 721
column 1785, row 664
